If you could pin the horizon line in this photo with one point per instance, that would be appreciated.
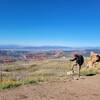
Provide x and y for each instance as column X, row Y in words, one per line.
column 49, row 46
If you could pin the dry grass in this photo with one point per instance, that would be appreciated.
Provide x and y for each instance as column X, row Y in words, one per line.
column 39, row 71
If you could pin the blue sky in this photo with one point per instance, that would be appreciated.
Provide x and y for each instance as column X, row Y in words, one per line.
column 50, row 22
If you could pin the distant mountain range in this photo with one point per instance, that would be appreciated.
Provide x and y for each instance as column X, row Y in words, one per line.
column 45, row 48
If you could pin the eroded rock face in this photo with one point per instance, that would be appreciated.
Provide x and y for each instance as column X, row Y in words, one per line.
column 93, row 60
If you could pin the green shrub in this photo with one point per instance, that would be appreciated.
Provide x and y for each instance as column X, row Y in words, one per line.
column 88, row 72
column 30, row 81
column 9, row 85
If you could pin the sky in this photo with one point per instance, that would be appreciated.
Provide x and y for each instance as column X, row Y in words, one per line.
column 50, row 22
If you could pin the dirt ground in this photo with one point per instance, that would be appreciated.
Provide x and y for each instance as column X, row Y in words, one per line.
column 83, row 89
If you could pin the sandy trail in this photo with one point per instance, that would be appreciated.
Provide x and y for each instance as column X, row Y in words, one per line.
column 83, row 89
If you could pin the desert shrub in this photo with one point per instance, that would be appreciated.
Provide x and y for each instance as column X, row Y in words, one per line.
column 30, row 81
column 8, row 85
column 88, row 72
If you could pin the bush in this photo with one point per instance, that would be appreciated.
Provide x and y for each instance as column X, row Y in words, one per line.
column 8, row 85
column 13, row 84
column 30, row 81
column 88, row 72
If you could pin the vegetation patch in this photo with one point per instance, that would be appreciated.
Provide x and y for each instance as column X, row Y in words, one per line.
column 40, row 71
column 88, row 72
column 8, row 85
